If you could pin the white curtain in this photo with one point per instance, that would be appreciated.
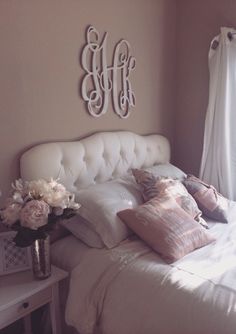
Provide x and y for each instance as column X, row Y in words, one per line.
column 218, row 165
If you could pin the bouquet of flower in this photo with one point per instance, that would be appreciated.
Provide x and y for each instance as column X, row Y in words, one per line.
column 34, row 207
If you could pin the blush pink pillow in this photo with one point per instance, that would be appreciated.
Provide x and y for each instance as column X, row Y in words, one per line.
column 166, row 228
column 212, row 203
column 164, row 186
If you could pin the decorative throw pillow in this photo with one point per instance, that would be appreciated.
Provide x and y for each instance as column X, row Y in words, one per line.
column 160, row 187
column 58, row 232
column 82, row 229
column 100, row 204
column 166, row 227
column 212, row 204
column 166, row 170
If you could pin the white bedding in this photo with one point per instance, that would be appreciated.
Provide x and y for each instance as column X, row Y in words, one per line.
column 68, row 252
column 129, row 290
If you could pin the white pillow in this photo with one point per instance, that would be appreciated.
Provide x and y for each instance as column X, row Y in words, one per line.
column 83, row 230
column 100, row 204
column 167, row 170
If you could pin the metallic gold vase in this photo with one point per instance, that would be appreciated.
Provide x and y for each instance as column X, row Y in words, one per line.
column 40, row 251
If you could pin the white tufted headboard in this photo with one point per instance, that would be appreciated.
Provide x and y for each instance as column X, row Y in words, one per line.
column 94, row 159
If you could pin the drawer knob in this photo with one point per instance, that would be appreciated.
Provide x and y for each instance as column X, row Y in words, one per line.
column 26, row 304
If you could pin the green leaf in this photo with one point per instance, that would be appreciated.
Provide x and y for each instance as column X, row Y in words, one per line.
column 25, row 236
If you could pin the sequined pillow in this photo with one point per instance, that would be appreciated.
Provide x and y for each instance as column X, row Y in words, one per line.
column 212, row 203
column 161, row 187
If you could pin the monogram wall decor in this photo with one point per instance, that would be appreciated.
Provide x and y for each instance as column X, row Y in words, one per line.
column 101, row 80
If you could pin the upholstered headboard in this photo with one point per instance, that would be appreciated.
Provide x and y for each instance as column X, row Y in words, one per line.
column 94, row 159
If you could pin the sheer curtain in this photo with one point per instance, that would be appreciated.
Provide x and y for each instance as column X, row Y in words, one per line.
column 218, row 165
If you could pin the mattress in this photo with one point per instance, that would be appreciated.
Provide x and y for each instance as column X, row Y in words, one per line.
column 67, row 253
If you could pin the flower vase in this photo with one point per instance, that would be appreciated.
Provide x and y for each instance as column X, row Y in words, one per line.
column 40, row 251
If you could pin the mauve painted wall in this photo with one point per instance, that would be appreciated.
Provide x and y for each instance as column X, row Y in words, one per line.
column 40, row 72
column 198, row 21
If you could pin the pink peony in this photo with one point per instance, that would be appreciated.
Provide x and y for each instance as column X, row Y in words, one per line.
column 11, row 214
column 34, row 214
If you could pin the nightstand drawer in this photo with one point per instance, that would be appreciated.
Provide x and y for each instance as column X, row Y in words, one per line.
column 24, row 307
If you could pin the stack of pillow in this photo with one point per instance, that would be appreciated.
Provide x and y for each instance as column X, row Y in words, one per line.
column 161, row 204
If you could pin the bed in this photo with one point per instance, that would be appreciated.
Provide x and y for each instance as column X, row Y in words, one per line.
column 124, row 286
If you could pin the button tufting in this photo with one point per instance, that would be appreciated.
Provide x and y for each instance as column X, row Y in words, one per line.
column 102, row 153
column 76, row 182
column 87, row 159
column 105, row 156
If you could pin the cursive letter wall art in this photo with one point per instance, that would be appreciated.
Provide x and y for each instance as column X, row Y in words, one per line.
column 101, row 79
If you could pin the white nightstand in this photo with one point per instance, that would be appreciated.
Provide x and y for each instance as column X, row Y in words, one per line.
column 20, row 294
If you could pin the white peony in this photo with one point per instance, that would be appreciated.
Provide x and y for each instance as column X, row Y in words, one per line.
column 37, row 189
column 32, row 201
column 18, row 186
column 72, row 204
column 17, row 197
column 11, row 214
column 56, row 199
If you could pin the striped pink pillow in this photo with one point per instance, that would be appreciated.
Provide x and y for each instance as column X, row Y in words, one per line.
column 164, row 186
column 212, row 203
column 166, row 227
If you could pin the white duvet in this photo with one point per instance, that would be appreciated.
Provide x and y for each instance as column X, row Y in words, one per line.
column 130, row 290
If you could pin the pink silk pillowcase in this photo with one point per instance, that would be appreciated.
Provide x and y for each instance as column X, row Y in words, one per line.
column 166, row 228
column 212, row 203
column 160, row 187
